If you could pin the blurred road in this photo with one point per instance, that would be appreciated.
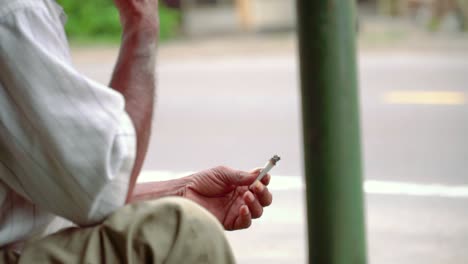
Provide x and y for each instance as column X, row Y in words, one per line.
column 238, row 110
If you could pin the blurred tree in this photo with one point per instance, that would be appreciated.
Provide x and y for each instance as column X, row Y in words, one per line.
column 98, row 20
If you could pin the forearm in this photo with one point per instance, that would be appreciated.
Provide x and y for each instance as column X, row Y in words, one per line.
column 153, row 190
column 134, row 77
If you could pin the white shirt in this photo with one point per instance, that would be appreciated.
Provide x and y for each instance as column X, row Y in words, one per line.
column 67, row 146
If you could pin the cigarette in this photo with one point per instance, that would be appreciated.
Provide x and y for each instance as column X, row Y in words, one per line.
column 268, row 166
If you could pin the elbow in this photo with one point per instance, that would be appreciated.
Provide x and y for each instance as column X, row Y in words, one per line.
column 108, row 191
column 113, row 192
column 107, row 201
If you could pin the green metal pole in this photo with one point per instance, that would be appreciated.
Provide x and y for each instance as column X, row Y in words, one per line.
column 331, row 131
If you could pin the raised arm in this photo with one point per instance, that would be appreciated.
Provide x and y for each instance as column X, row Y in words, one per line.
column 134, row 73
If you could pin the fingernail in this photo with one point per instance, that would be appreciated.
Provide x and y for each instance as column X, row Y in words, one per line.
column 245, row 174
column 245, row 211
column 259, row 186
column 250, row 197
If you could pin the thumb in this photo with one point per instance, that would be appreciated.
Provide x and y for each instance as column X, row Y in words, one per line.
column 247, row 178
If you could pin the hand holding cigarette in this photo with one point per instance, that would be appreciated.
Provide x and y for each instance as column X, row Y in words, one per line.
column 268, row 166
column 216, row 187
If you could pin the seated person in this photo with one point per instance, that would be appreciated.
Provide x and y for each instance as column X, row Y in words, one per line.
column 72, row 149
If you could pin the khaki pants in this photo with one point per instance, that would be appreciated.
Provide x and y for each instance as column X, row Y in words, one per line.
column 169, row 230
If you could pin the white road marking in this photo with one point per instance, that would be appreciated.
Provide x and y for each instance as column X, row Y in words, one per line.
column 370, row 186
column 425, row 97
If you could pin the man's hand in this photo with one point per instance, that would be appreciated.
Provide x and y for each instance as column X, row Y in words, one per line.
column 138, row 12
column 225, row 193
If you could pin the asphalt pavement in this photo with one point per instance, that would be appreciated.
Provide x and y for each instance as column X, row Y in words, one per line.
column 239, row 108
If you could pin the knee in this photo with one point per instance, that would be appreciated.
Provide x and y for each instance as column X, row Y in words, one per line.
column 200, row 237
column 171, row 214
column 178, row 230
column 188, row 213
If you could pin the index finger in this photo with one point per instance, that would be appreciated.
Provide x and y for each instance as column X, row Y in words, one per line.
column 266, row 180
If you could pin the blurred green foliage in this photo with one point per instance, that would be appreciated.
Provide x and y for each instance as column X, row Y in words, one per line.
column 98, row 20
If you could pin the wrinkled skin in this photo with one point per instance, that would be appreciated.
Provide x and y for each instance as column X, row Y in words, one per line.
column 225, row 193
column 222, row 191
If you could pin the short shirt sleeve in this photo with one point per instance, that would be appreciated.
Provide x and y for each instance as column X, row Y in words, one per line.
column 68, row 145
